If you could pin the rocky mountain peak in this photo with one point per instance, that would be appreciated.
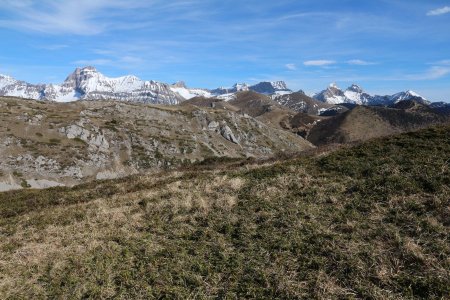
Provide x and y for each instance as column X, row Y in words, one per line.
column 241, row 87
column 333, row 85
column 279, row 85
column 75, row 79
column 408, row 95
column 356, row 95
column 355, row 88
column 270, row 87
column 6, row 80
column 179, row 84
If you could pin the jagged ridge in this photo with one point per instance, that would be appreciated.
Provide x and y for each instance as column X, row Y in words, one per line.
column 356, row 95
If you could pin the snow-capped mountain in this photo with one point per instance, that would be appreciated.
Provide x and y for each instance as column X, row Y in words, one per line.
column 238, row 87
column 271, row 88
column 89, row 84
column 16, row 88
column 356, row 95
column 189, row 93
column 332, row 95
column 408, row 95
column 265, row 87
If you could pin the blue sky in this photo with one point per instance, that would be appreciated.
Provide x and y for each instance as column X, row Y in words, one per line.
column 384, row 45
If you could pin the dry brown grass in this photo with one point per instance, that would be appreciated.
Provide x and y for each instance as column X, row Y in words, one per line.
column 365, row 222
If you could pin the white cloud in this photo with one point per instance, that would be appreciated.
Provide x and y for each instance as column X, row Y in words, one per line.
column 319, row 63
column 80, row 17
column 360, row 62
column 291, row 67
column 432, row 73
column 437, row 72
column 439, row 11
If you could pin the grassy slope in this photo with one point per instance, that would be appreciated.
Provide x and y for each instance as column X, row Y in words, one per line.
column 366, row 122
column 370, row 221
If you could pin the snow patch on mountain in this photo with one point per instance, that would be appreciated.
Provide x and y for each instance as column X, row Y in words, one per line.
column 265, row 87
column 89, row 84
column 356, row 95
column 188, row 93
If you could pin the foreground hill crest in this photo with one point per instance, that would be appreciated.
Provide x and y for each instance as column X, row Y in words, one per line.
column 365, row 222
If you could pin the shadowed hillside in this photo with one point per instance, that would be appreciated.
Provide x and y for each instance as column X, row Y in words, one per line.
column 368, row 222
column 366, row 122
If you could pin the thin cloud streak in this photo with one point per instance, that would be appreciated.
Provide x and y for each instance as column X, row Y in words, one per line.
column 319, row 63
column 439, row 11
column 433, row 73
column 291, row 67
column 359, row 62
column 83, row 17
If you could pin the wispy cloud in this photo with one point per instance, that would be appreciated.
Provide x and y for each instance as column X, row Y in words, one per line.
column 439, row 11
column 303, row 15
column 432, row 73
column 291, row 67
column 319, row 63
column 93, row 62
column 360, row 62
column 79, row 17
column 124, row 62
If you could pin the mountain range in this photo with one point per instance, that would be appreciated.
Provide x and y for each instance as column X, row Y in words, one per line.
column 89, row 84
column 354, row 94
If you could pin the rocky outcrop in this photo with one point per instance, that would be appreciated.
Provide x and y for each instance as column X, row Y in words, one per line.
column 224, row 130
column 94, row 137
column 83, row 141
column 227, row 133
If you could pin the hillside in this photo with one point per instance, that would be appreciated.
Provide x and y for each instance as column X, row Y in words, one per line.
column 368, row 222
column 300, row 102
column 365, row 122
column 255, row 104
column 210, row 102
column 264, row 109
column 47, row 143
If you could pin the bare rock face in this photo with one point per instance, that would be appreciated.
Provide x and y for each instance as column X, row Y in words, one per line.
column 94, row 138
column 44, row 142
column 213, row 125
column 224, row 130
column 75, row 131
column 227, row 133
